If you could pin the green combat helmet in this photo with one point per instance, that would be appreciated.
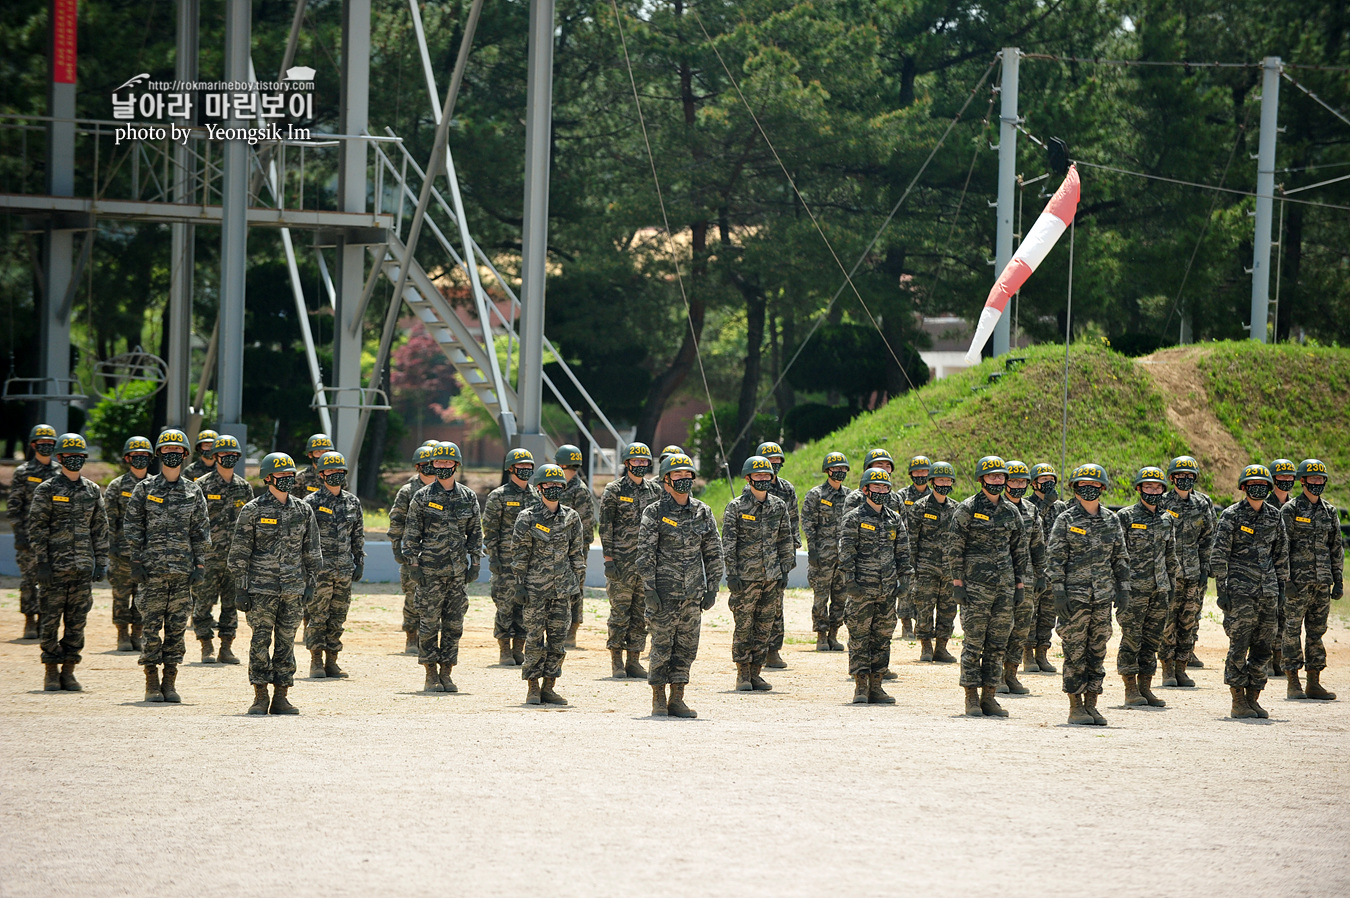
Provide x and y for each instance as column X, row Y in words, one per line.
column 834, row 460
column 756, row 463
column 521, row 458
column 276, row 463
column 318, row 442
column 170, row 439
column 422, row 457
column 332, row 461
column 137, row 444
column 567, row 454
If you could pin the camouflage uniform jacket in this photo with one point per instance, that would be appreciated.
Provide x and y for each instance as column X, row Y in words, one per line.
column 276, row 548
column 874, row 551
column 548, row 555
column 342, row 530
column 223, row 501
column 1314, row 533
column 988, row 543
column 197, row 470
column 499, row 518
column 679, row 552
column 822, row 513
column 1036, row 546
column 166, row 526
column 783, row 489
column 68, row 526
column 115, row 499
column 1152, row 543
column 577, row 496
column 621, row 508
column 756, row 542
column 929, row 524
column 1251, row 549
column 443, row 530
column 1046, row 512
column 1193, row 521
column 306, row 482
column 27, row 476
column 909, row 495
column 1088, row 560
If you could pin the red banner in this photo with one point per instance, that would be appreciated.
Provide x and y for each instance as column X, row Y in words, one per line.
column 64, row 14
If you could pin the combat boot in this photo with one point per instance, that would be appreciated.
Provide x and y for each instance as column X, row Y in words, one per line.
column 152, row 693
column 907, row 628
column 1043, row 662
column 676, row 705
column 137, row 642
column 166, row 686
column 835, row 644
column 518, row 651
column 532, row 696
column 1183, row 678
column 925, row 650
column 570, row 641
column 940, row 653
column 1146, row 690
column 1090, row 706
column 410, row 646
column 123, row 638
column 888, row 674
column 331, row 669
column 1294, row 690
column 504, row 653
column 261, row 700
column 760, row 684
column 1002, row 688
column 208, row 651
column 280, row 705
column 548, row 695
column 1193, row 661
column 432, row 683
column 1132, row 693
column 876, row 695
column 616, row 668
column 862, row 684
column 1169, row 673
column 822, row 642
column 1014, row 685
column 658, row 701
column 226, row 656
column 1029, row 660
column 68, row 681
column 447, row 684
column 316, row 664
column 30, row 627
column 1241, row 710
column 973, row 702
column 1252, row 695
column 1277, row 663
column 1078, row 715
column 989, row 705
column 743, row 683
column 1315, row 689
column 634, row 667
column 775, row 660
column 51, row 681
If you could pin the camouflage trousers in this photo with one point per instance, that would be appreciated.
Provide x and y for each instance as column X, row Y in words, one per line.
column 907, row 606
column 510, row 620
column 827, row 606
column 547, row 614
column 578, row 603
column 675, row 630
column 441, row 606
column 217, row 585
column 1141, row 628
column 1083, row 635
column 28, row 585
column 986, row 621
column 1023, row 614
column 754, row 608
column 1306, row 608
column 1183, row 620
column 871, row 623
column 327, row 611
column 67, row 600
column 1042, row 619
column 165, row 600
column 271, row 651
column 409, row 600
column 1250, row 625
column 627, row 621
column 124, row 609
column 934, row 606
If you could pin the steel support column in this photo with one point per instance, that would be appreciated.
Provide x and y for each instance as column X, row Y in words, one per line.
column 1007, row 185
column 234, row 234
column 182, row 259
column 1265, row 200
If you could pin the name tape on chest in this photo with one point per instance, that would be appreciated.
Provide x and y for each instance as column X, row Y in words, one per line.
column 867, row 526
column 1079, row 530
column 931, row 517
column 214, row 497
column 325, row 510
column 1245, row 529
column 436, row 505
column 625, row 498
column 666, row 520
column 513, row 504
column 155, row 499
column 981, row 517
column 1303, row 520
column 1173, row 513
column 60, row 498
column 542, row 527
column 267, row 520
column 34, row 479
column 747, row 517
column 126, row 493
column 1138, row 526
column 827, row 503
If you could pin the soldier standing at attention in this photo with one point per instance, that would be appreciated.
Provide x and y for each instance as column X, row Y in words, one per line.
column 205, row 462
column 928, row 521
column 68, row 532
column 988, row 561
column 783, row 489
column 423, row 475
column 442, row 544
column 874, row 559
column 499, row 518
column 1019, row 478
column 548, row 566
column 342, row 541
column 916, row 489
column 577, row 496
column 621, row 508
column 1153, row 569
column 1193, row 518
column 1250, row 561
column 308, row 481
column 1284, row 472
column 877, row 458
column 1045, row 497
column 679, row 555
column 1316, row 576
column 822, row 513
column 758, row 554
column 225, row 494
column 136, row 454
column 168, row 537
column 37, row 469
column 275, row 557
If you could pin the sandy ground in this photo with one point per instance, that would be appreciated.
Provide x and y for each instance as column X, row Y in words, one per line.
column 378, row 789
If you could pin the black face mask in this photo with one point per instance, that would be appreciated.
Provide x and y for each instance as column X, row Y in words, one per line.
column 1150, row 498
column 1315, row 489
column 761, row 485
column 1088, row 492
column 1017, row 492
column 427, row 470
column 878, row 496
column 552, row 492
column 994, row 489
column 941, row 490
column 519, row 473
column 72, row 462
column 838, row 476
column 1258, row 490
column 139, row 462
column 444, row 473
column 777, row 466
column 227, row 461
column 639, row 470
column 335, row 478
column 284, row 482
column 171, row 459
column 1051, row 493
column 919, row 479
column 1283, row 485
column 1184, row 483
column 684, row 485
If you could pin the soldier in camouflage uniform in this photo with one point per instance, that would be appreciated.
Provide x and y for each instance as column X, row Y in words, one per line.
column 137, row 453
column 1285, row 473
column 548, row 566
column 929, row 524
column 275, row 557
column 1045, row 498
column 1250, row 561
column 205, row 461
column 621, row 507
column 1153, row 569
column 499, row 520
column 679, row 555
column 783, row 489
column 988, row 561
column 822, row 513
column 875, row 561
column 68, row 532
column 308, row 481
column 226, row 492
column 1193, row 518
column 1316, row 576
column 37, row 469
column 577, row 496
column 1019, row 479
column 1088, row 567
column 758, row 554
column 342, row 541
column 912, row 492
column 443, row 543
column 168, row 538
column 877, row 458
column 398, row 519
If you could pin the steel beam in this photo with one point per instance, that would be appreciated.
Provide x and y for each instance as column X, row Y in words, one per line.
column 73, row 212
column 1265, row 199
column 182, row 256
column 234, row 234
column 1007, row 185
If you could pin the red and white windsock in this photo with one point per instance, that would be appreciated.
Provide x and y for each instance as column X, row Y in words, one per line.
column 1044, row 234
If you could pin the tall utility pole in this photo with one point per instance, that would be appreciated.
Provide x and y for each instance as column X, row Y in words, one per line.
column 234, row 234
column 1265, row 195
column 182, row 255
column 1007, row 183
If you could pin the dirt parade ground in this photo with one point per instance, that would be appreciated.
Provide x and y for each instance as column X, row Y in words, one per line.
column 379, row 789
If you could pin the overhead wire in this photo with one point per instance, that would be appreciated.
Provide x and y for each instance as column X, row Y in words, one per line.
column 1315, row 98
column 1163, row 63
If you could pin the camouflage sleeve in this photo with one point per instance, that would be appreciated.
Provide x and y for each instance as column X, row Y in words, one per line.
column 1120, row 559
column 311, row 551
column 522, row 547
column 1036, row 546
column 358, row 533
column 492, row 526
column 957, row 533
column 1209, row 534
column 199, row 531
column 793, row 520
column 712, row 551
column 133, row 525
column 649, row 536
column 787, row 551
column 1170, row 556
column 99, row 530
column 576, row 551
column 848, row 550
column 608, row 500
column 412, row 532
column 473, row 534
column 241, row 544
column 1280, row 557
column 1056, row 554
column 587, row 515
column 808, row 518
column 39, row 522
column 730, row 540
column 1220, row 550
column 1021, row 556
column 14, row 502
column 904, row 565
column 398, row 514
column 1336, row 554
